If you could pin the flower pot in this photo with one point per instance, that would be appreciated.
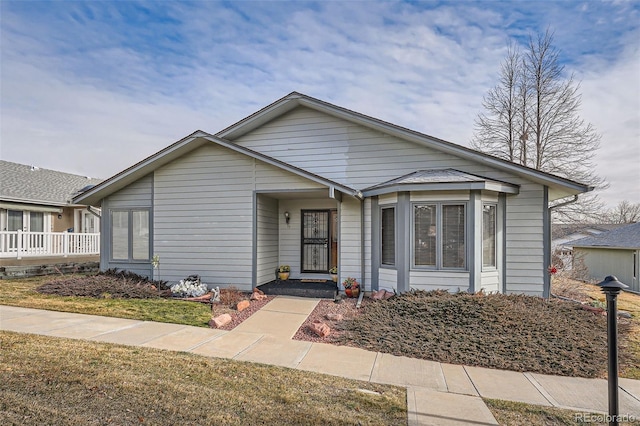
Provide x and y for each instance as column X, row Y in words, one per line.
column 352, row 292
column 283, row 276
column 334, row 277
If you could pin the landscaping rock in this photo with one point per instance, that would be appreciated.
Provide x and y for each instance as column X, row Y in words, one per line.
column 334, row 317
column 220, row 321
column 320, row 328
column 624, row 314
column 242, row 305
column 378, row 295
column 258, row 295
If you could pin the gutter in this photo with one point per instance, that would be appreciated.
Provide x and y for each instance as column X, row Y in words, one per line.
column 566, row 203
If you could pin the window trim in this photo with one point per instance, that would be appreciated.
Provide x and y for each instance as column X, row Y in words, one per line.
column 439, row 228
column 495, row 236
column 130, row 258
column 395, row 236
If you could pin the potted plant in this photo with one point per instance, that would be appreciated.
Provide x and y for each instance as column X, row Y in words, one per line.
column 334, row 274
column 351, row 287
column 283, row 272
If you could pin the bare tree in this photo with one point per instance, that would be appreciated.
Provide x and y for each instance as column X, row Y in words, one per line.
column 624, row 212
column 531, row 118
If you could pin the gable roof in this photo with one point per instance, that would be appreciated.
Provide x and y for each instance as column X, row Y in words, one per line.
column 32, row 185
column 559, row 187
column 440, row 179
column 197, row 139
column 626, row 237
column 563, row 187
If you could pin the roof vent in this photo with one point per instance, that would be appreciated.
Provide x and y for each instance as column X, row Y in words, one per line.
column 34, row 168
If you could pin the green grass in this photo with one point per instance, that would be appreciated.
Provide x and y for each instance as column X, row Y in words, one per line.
column 45, row 380
column 22, row 293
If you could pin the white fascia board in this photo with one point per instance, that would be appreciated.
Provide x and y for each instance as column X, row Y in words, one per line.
column 444, row 186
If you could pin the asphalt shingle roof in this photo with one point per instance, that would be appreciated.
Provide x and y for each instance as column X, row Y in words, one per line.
column 28, row 184
column 624, row 237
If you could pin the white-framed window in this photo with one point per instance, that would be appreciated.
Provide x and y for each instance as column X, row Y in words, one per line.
column 489, row 236
column 130, row 235
column 388, row 236
column 439, row 236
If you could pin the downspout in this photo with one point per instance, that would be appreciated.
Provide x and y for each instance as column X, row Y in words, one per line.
column 547, row 294
column 95, row 213
column 362, row 257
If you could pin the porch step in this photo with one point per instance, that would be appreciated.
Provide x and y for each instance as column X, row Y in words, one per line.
column 300, row 288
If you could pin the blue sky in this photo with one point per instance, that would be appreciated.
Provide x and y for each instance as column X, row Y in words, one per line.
column 93, row 87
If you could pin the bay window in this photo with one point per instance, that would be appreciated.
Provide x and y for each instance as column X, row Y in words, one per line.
column 388, row 237
column 489, row 236
column 439, row 233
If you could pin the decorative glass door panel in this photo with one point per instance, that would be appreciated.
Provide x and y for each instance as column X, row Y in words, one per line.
column 315, row 240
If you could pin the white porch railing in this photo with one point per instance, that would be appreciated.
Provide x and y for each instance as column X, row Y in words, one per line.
column 19, row 244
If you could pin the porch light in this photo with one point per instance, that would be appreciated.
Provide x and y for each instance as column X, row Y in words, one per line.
column 287, row 216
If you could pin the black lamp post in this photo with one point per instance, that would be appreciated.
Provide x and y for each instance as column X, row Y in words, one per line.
column 611, row 287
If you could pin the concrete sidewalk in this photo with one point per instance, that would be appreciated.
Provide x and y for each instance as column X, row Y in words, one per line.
column 437, row 393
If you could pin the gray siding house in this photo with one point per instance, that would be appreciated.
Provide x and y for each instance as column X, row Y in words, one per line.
column 313, row 185
column 616, row 252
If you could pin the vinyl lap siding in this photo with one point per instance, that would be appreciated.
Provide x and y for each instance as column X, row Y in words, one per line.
column 524, row 242
column 267, row 241
column 433, row 280
column 350, row 237
column 203, row 217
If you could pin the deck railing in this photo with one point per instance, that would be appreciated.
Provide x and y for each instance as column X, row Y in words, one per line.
column 19, row 244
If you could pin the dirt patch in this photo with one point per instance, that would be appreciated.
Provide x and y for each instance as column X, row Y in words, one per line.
column 511, row 332
column 347, row 308
column 238, row 317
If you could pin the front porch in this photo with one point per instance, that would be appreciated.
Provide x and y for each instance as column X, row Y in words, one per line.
column 320, row 289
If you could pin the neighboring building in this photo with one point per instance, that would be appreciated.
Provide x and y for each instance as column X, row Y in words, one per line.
column 37, row 201
column 615, row 252
column 313, row 185
column 563, row 235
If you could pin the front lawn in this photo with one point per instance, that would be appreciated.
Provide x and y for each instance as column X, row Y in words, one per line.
column 23, row 293
column 55, row 381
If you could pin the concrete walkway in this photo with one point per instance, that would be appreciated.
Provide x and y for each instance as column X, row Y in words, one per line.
column 437, row 393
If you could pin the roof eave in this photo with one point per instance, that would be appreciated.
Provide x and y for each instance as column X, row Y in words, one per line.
column 442, row 186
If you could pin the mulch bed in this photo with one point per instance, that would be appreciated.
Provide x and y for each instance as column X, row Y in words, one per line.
column 511, row 332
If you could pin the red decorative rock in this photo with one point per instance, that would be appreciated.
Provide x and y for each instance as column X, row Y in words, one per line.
column 320, row 328
column 258, row 296
column 220, row 321
column 378, row 295
column 242, row 305
column 334, row 317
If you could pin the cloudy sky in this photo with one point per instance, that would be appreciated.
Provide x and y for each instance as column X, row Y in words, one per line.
column 93, row 87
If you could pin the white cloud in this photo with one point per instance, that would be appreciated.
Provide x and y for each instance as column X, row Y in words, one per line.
column 86, row 90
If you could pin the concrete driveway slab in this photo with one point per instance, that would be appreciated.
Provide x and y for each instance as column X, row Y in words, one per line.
column 430, row 407
column 93, row 326
column 275, row 323
column 185, row 339
column 228, row 345
column 138, row 334
column 587, row 394
column 630, row 386
column 403, row 371
column 275, row 351
column 457, row 380
column 344, row 361
column 292, row 305
column 507, row 385
column 41, row 324
column 8, row 312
